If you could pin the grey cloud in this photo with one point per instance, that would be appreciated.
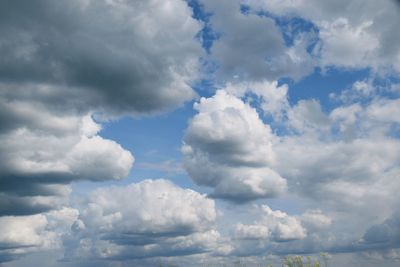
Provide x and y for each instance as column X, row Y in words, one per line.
column 307, row 115
column 32, row 194
column 115, row 55
column 351, row 155
column 386, row 234
column 63, row 61
column 321, row 168
column 21, row 205
column 251, row 47
column 190, row 245
column 352, row 34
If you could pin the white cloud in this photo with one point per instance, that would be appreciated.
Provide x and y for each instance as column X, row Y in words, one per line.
column 147, row 219
column 37, row 163
column 365, row 116
column 276, row 232
column 177, row 209
column 61, row 65
column 360, row 90
column 77, row 155
column 315, row 220
column 353, row 34
column 62, row 61
column 384, row 110
column 22, row 231
column 273, row 225
column 116, row 58
column 273, row 96
column 346, row 45
column 229, row 148
column 338, row 163
column 91, row 158
column 307, row 116
column 284, row 227
column 243, row 231
column 21, row 235
column 336, row 171
column 251, row 47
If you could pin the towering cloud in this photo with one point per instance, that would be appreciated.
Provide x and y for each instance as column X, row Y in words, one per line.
column 229, row 148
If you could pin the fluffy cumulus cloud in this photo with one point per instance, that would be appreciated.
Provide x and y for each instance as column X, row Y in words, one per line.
column 37, row 164
column 352, row 34
column 27, row 234
column 62, row 61
column 251, row 47
column 315, row 219
column 347, row 160
column 63, row 64
column 271, row 97
column 66, row 67
column 147, row 219
column 59, row 62
column 276, row 225
column 276, row 232
column 338, row 163
column 352, row 153
column 229, row 148
column 24, row 233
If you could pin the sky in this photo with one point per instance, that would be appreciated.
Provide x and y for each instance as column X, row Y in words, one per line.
column 187, row 133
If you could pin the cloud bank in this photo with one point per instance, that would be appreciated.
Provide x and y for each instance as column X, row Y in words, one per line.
column 147, row 219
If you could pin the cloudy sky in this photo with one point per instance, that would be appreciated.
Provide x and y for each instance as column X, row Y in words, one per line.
column 134, row 133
